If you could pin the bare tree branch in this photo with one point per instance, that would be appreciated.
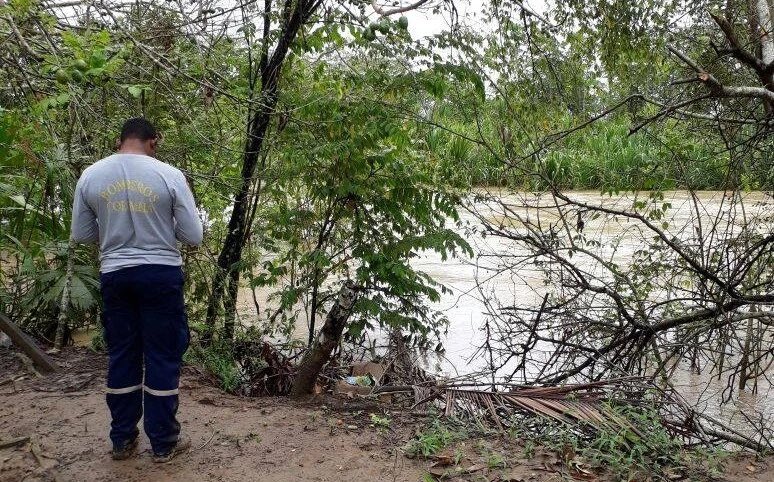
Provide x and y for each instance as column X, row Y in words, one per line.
column 20, row 38
column 716, row 87
column 386, row 13
column 736, row 50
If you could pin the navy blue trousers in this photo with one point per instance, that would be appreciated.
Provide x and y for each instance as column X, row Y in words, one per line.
column 146, row 330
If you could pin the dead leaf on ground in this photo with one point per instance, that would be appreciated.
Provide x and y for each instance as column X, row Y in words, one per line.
column 475, row 468
column 580, row 470
column 545, row 458
column 438, row 473
column 442, row 460
column 546, row 467
column 511, row 478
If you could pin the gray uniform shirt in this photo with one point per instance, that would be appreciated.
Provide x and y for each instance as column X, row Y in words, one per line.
column 137, row 208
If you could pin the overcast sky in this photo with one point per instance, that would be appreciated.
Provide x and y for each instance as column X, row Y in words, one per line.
column 423, row 22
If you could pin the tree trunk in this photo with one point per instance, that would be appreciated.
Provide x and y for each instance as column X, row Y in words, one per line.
column 313, row 311
column 41, row 360
column 745, row 362
column 61, row 323
column 258, row 124
column 330, row 335
column 230, row 305
column 764, row 10
column 765, row 13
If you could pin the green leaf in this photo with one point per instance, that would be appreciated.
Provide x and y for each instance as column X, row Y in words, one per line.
column 135, row 90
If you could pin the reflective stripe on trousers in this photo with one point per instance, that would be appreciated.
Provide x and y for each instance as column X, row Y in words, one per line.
column 160, row 393
column 134, row 388
column 121, row 391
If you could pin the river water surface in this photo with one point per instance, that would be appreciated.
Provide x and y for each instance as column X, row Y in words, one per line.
column 474, row 280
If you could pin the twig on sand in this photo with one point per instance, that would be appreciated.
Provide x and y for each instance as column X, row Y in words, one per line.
column 14, row 442
column 65, row 395
column 37, row 453
column 208, row 441
column 28, row 364
column 47, row 466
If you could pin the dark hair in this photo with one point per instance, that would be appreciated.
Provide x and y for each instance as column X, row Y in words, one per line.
column 138, row 128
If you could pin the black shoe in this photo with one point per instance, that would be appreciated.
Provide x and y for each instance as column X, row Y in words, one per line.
column 182, row 444
column 124, row 451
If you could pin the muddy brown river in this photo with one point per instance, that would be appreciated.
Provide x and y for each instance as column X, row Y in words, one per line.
column 473, row 280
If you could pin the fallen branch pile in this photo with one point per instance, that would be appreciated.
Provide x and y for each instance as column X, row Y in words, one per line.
column 613, row 406
column 586, row 409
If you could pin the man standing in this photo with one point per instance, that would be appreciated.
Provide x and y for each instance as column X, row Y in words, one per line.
column 137, row 208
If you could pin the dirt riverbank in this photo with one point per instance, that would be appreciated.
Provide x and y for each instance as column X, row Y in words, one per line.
column 241, row 439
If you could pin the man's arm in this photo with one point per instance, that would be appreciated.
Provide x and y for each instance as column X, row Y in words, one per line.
column 188, row 226
column 83, row 228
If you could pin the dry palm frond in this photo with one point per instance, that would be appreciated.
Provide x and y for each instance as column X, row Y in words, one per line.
column 614, row 406
column 580, row 405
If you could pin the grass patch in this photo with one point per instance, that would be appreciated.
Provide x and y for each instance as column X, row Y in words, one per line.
column 644, row 450
column 218, row 359
column 380, row 422
column 98, row 343
column 639, row 450
column 435, row 438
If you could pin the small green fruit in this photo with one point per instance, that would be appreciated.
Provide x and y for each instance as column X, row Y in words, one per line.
column 62, row 76
column 77, row 75
column 81, row 65
column 384, row 26
column 403, row 22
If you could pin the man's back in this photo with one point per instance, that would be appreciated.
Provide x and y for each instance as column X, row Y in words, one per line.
column 136, row 207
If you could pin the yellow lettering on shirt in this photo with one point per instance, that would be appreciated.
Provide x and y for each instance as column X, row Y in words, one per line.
column 129, row 185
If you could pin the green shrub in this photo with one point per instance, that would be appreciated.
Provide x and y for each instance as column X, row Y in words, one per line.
column 642, row 450
column 218, row 359
column 434, row 439
column 98, row 343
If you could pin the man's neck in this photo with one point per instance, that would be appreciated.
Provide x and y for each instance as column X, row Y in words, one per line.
column 134, row 146
column 137, row 152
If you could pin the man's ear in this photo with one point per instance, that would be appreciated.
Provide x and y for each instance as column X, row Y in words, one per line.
column 152, row 143
column 118, row 144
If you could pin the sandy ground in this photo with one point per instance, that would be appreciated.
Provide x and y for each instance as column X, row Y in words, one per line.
column 234, row 438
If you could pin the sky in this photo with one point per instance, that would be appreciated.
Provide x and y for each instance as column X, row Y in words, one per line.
column 423, row 22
